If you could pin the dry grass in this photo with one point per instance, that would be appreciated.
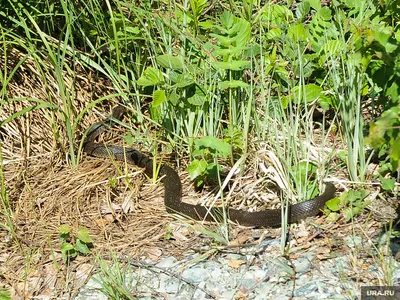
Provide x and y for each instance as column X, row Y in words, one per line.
column 46, row 191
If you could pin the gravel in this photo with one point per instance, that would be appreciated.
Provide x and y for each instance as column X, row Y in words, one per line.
column 245, row 276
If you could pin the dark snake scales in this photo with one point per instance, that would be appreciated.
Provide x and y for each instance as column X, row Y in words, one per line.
column 173, row 188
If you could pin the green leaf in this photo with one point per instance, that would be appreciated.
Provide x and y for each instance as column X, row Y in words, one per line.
column 159, row 97
column 156, row 113
column 205, row 25
column 184, row 80
column 394, row 154
column 169, row 61
column 325, row 13
column 232, row 84
column 196, row 168
column 315, row 4
column 228, row 51
column 132, row 30
column 225, row 41
column 333, row 49
column 151, row 76
column 173, row 97
column 197, row 99
column 297, row 33
column 82, row 247
column 227, row 19
column 334, row 204
column 313, row 91
column 350, row 212
column 236, row 65
column 302, row 10
column 64, row 229
column 309, row 93
column 387, row 183
column 83, row 235
column 353, row 196
column 67, row 251
column 128, row 138
column 325, row 101
column 304, row 171
column 217, row 146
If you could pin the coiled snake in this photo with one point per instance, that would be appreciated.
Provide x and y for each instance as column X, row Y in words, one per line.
column 173, row 188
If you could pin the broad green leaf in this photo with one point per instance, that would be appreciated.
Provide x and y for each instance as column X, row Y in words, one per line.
column 325, row 13
column 156, row 113
column 232, row 84
column 173, row 97
column 304, row 171
column 243, row 34
column 313, row 91
column 173, row 76
column 82, row 247
column 387, row 183
column 353, row 196
column 64, row 229
column 297, row 32
column 169, row 61
column 205, row 24
column 274, row 33
column 302, row 10
column 197, row 99
column 217, row 146
column 133, row 30
column 350, row 212
column 159, row 97
column 333, row 204
column 67, row 251
column 65, row 247
column 228, row 51
column 333, row 48
column 285, row 100
column 227, row 19
column 225, row 41
column 151, row 76
column 325, row 101
column 83, row 235
column 236, row 65
column 397, row 35
column 196, row 168
column 184, row 80
column 315, row 4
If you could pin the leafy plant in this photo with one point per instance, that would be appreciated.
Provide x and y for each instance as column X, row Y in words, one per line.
column 305, row 174
column 384, row 136
column 350, row 203
column 204, row 166
column 74, row 243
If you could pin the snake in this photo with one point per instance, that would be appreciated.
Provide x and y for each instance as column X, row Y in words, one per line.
column 173, row 187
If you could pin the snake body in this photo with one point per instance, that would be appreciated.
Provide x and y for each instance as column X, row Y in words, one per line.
column 173, row 187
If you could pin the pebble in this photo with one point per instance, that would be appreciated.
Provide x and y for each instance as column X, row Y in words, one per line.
column 259, row 277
